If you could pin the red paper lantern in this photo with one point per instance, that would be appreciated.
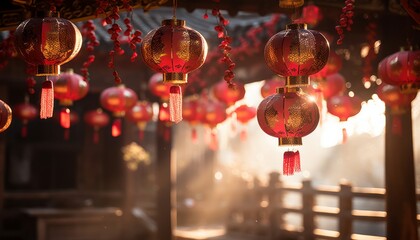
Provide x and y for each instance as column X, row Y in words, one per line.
column 311, row 14
column 296, row 53
column 228, row 95
column 215, row 113
column 97, row 119
column 47, row 43
column 344, row 106
column 401, row 69
column 270, row 86
column 68, row 87
column 174, row 50
column 193, row 112
column 334, row 85
column 333, row 66
column 288, row 115
column 140, row 113
column 244, row 114
column 5, row 116
column 118, row 100
column 158, row 87
column 25, row 112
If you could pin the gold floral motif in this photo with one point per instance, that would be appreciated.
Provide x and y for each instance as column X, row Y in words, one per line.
column 184, row 46
column 302, row 47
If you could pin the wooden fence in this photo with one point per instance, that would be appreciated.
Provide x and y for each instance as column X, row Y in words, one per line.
column 263, row 211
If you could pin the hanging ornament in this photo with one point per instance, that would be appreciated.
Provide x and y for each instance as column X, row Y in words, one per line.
column 193, row 112
column 215, row 113
column 290, row 3
column 270, row 86
column 346, row 20
column 68, row 87
column 25, row 112
column 47, row 43
column 334, row 85
column 398, row 103
column 118, row 100
column 244, row 114
column 174, row 50
column 332, row 66
column 401, row 69
column 158, row 87
column 288, row 115
column 311, row 14
column 343, row 107
column 228, row 94
column 296, row 53
column 5, row 116
column 97, row 119
column 140, row 114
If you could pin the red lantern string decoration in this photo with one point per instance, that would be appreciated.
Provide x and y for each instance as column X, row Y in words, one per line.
column 370, row 56
column 97, row 119
column 401, row 69
column 344, row 107
column 25, row 112
column 296, row 53
column 193, row 112
column 174, row 50
column 140, row 114
column 215, row 113
column 88, row 30
column 118, row 100
column 244, row 114
column 69, row 87
column 397, row 102
column 270, row 86
column 288, row 115
column 346, row 20
column 5, row 116
column 47, row 43
column 228, row 94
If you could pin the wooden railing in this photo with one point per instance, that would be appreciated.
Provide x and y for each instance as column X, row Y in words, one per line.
column 263, row 210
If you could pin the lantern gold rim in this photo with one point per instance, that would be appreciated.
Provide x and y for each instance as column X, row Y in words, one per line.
column 47, row 70
column 290, row 141
column 297, row 81
column 173, row 22
column 175, row 78
column 66, row 102
column 295, row 26
column 8, row 120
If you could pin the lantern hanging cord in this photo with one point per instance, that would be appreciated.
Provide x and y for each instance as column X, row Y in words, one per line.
column 174, row 6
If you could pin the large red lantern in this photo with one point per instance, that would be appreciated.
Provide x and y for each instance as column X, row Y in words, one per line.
column 140, row 113
column 97, row 119
column 244, row 114
column 5, row 116
column 47, row 43
column 193, row 111
column 288, row 115
column 401, row 69
column 332, row 66
column 296, row 53
column 270, row 86
column 174, row 50
column 397, row 101
column 118, row 100
column 228, row 94
column 25, row 112
column 68, row 87
column 344, row 107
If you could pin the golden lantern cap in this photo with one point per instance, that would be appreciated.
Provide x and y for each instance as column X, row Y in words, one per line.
column 295, row 26
column 173, row 22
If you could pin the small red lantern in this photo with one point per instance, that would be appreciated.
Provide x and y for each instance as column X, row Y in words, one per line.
column 174, row 50
column 118, row 100
column 344, row 106
column 5, row 116
column 47, row 43
column 270, row 86
column 140, row 113
column 97, row 119
column 311, row 14
column 401, row 69
column 158, row 87
column 228, row 94
column 296, row 53
column 244, row 114
column 333, row 66
column 288, row 115
column 25, row 112
column 68, row 87
column 193, row 112
column 397, row 101
column 215, row 113
column 334, row 85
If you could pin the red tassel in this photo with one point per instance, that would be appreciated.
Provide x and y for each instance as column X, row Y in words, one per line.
column 214, row 143
column 297, row 161
column 24, row 131
column 344, row 135
column 396, row 126
column 116, row 127
column 141, row 134
column 47, row 100
column 65, row 118
column 66, row 134
column 288, row 163
column 175, row 104
column 243, row 135
column 194, row 136
column 95, row 136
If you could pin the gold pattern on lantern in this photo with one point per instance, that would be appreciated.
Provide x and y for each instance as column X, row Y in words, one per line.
column 301, row 48
column 184, row 47
column 134, row 154
column 299, row 115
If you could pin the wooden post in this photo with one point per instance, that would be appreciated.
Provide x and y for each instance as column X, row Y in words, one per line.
column 400, row 184
column 345, row 216
column 307, row 209
column 165, row 167
column 273, row 204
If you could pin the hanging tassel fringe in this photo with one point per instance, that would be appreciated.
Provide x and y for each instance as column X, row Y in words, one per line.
column 65, row 118
column 345, row 136
column 291, row 163
column 297, row 161
column 47, row 100
column 116, row 127
column 194, row 136
column 243, row 135
column 175, row 104
column 214, row 142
